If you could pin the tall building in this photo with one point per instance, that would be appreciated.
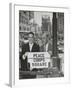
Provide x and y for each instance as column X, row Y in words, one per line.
column 60, row 25
column 31, row 15
column 46, row 24
column 24, row 26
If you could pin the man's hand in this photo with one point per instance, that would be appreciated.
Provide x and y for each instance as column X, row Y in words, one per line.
column 25, row 55
column 50, row 52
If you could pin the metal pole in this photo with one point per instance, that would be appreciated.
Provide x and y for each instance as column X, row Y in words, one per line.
column 54, row 49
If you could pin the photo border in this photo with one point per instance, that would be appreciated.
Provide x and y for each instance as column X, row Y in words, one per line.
column 14, row 62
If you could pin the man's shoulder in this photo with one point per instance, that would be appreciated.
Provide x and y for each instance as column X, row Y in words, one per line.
column 25, row 44
column 36, row 45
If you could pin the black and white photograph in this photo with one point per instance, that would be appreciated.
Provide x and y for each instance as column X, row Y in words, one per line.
column 41, row 44
column 36, row 45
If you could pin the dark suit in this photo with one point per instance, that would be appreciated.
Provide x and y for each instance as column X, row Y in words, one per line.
column 26, row 48
column 42, row 49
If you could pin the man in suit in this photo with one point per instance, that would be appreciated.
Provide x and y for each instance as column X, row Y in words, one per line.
column 31, row 46
column 47, row 44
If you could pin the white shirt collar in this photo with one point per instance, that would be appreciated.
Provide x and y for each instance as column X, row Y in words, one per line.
column 31, row 45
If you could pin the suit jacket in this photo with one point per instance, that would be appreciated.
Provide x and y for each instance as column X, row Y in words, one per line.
column 26, row 48
column 42, row 48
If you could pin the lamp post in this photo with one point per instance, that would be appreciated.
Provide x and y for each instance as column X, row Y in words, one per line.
column 54, row 47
